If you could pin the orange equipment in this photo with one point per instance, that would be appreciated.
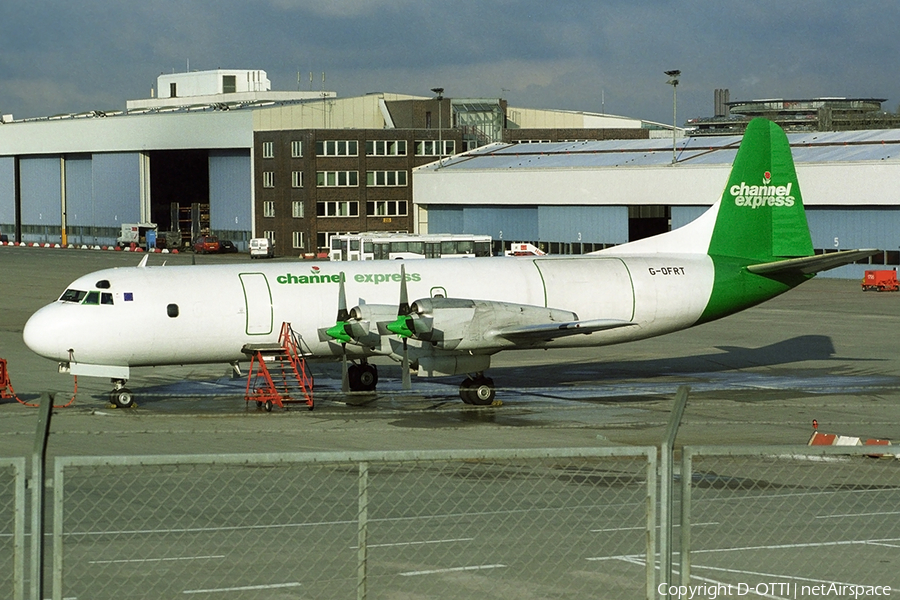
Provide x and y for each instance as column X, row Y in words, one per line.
column 880, row 281
column 278, row 373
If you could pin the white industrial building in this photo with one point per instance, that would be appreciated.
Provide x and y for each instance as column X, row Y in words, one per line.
column 578, row 197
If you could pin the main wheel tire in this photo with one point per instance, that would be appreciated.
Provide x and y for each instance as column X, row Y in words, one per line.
column 122, row 398
column 368, row 378
column 482, row 392
column 465, row 391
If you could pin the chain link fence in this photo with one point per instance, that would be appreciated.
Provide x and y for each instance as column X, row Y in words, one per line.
column 793, row 523
column 464, row 524
column 12, row 527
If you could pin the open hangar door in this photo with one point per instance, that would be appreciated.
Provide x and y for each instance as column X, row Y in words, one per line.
column 179, row 192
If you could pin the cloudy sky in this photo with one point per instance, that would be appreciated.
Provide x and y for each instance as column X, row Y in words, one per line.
column 588, row 55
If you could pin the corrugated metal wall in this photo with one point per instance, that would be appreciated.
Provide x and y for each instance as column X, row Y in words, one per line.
column 80, row 214
column 230, row 189
column 40, row 188
column 116, row 184
column 587, row 224
column 682, row 215
column 8, row 195
column 868, row 227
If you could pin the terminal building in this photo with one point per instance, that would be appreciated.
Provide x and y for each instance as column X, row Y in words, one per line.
column 219, row 151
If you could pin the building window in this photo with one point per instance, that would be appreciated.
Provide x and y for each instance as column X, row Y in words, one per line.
column 386, row 178
column 268, row 208
column 268, row 149
column 323, row 238
column 337, row 148
column 268, row 179
column 386, row 208
column 173, row 90
column 296, row 149
column 229, row 84
column 297, row 179
column 386, row 148
column 337, row 179
column 297, row 209
column 338, row 208
column 431, row 147
column 269, row 235
column 297, row 237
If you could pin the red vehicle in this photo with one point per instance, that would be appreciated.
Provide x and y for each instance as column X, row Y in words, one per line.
column 206, row 244
column 880, row 281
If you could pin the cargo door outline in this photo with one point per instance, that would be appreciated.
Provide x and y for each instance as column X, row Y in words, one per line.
column 257, row 303
column 612, row 289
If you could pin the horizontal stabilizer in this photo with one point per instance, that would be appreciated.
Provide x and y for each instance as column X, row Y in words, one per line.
column 811, row 264
column 550, row 331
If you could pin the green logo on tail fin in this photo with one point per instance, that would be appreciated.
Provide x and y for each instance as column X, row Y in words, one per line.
column 761, row 216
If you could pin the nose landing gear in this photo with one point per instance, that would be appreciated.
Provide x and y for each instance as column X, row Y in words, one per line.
column 121, row 396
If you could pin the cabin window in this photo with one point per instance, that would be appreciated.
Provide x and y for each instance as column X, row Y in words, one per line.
column 172, row 310
column 71, row 295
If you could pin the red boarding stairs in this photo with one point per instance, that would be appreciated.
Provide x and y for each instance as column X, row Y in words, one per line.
column 278, row 373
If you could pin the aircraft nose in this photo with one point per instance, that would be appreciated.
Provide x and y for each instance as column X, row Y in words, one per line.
column 41, row 337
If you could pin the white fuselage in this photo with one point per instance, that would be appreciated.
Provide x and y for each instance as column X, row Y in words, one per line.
column 205, row 314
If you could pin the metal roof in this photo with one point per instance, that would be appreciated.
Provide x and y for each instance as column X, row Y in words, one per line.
column 809, row 147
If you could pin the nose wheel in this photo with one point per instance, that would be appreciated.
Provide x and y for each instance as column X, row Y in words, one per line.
column 121, row 396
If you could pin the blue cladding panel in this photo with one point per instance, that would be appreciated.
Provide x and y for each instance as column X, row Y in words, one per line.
column 589, row 224
column 445, row 220
column 682, row 215
column 868, row 227
column 8, row 192
column 40, row 188
column 230, row 178
column 79, row 192
column 116, row 182
column 502, row 223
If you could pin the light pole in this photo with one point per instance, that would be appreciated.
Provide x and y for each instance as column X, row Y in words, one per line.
column 440, row 98
column 673, row 81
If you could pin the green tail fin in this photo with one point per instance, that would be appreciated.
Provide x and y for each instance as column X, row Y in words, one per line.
column 761, row 215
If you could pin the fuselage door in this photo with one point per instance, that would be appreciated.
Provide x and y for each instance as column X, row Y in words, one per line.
column 593, row 288
column 258, row 303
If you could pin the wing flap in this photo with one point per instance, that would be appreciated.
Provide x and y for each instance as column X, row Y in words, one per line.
column 808, row 265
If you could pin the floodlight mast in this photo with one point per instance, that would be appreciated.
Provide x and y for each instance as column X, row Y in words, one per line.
column 673, row 81
column 440, row 98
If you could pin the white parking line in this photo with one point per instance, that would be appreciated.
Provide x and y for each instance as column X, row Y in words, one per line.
column 452, row 570
column 870, row 514
column 270, row 586
column 415, row 543
column 141, row 560
column 642, row 528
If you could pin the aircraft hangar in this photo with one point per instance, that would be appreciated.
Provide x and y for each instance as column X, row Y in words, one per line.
column 576, row 197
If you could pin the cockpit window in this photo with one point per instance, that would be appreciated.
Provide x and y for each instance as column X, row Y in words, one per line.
column 71, row 295
column 92, row 298
column 106, row 298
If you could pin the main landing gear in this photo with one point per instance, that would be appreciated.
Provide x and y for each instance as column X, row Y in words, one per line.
column 121, row 396
column 362, row 377
column 478, row 390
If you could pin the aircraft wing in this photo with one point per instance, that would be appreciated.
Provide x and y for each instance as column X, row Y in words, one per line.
column 544, row 332
column 808, row 265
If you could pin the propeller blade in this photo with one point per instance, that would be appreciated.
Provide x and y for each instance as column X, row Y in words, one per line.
column 341, row 329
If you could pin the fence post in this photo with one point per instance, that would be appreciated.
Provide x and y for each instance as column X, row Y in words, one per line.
column 666, row 492
column 362, row 555
column 38, row 458
column 687, row 469
column 650, row 546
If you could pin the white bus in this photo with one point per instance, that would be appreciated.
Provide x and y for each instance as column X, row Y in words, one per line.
column 390, row 246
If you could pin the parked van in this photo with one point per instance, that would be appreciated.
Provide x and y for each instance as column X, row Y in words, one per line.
column 261, row 248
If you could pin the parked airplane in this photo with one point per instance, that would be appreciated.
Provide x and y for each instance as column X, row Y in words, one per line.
column 751, row 245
